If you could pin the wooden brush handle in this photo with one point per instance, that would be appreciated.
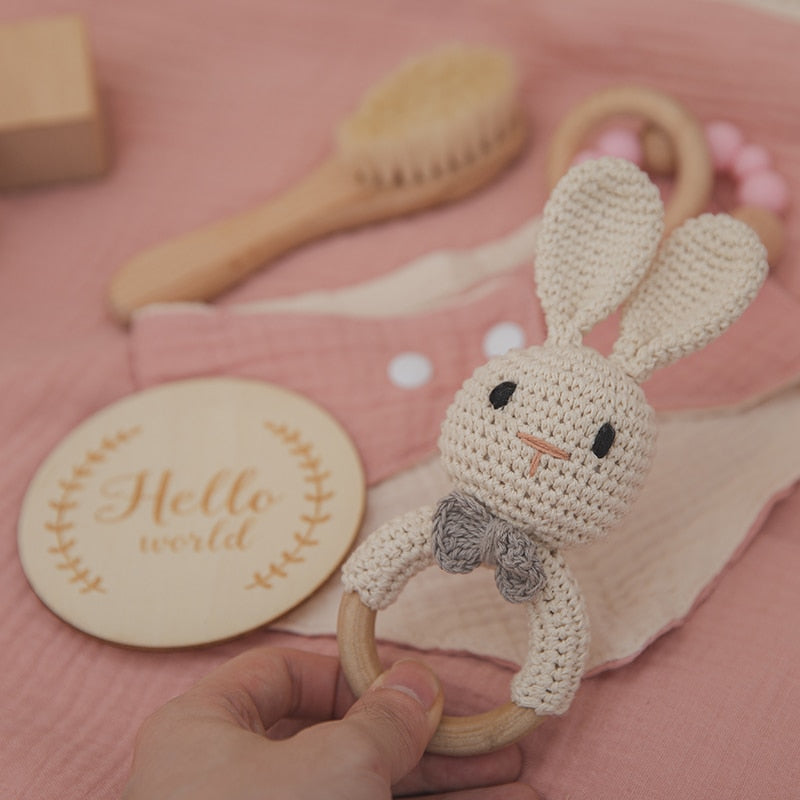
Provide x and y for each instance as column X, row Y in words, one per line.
column 203, row 263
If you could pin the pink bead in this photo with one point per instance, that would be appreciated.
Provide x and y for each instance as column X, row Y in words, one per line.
column 621, row 143
column 764, row 188
column 585, row 155
column 725, row 140
column 751, row 158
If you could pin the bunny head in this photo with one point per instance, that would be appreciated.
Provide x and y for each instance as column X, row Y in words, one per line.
column 557, row 439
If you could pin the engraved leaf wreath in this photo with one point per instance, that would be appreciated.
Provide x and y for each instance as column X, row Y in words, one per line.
column 87, row 580
column 317, row 496
column 61, row 525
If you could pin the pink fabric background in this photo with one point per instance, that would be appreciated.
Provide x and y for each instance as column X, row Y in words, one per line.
column 212, row 106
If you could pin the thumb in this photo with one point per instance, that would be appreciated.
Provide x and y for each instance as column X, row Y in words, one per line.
column 397, row 717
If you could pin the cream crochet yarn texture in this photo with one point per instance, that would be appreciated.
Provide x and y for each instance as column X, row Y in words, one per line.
column 553, row 443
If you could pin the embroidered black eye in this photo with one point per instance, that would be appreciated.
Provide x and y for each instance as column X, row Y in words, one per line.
column 501, row 394
column 604, row 440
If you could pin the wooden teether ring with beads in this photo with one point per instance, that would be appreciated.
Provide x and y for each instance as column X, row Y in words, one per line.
column 695, row 172
column 455, row 736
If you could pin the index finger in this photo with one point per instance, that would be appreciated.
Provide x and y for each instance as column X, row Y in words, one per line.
column 264, row 685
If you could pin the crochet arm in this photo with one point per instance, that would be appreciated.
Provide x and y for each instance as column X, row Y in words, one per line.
column 558, row 645
column 391, row 555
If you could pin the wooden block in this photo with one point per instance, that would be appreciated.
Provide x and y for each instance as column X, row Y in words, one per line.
column 51, row 127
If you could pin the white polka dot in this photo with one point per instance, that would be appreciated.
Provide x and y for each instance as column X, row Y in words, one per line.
column 503, row 337
column 410, row 370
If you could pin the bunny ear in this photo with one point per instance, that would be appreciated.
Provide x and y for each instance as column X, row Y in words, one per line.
column 600, row 230
column 704, row 277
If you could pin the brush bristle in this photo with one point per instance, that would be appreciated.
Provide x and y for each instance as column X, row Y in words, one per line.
column 433, row 115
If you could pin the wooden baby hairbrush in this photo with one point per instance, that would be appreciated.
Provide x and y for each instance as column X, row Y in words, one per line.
column 437, row 129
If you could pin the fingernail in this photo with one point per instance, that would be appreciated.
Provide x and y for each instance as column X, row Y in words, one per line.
column 414, row 679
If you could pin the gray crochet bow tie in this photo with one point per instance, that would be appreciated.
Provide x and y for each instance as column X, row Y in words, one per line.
column 466, row 534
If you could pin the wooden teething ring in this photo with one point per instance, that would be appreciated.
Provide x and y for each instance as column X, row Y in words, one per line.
column 694, row 177
column 455, row 736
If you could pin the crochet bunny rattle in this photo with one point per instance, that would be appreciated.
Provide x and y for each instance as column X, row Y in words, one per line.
column 549, row 446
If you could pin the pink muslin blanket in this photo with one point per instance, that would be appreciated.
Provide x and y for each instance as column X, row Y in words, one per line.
column 213, row 106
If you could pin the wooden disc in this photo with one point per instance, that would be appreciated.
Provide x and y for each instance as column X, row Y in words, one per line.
column 695, row 171
column 191, row 512
column 455, row 736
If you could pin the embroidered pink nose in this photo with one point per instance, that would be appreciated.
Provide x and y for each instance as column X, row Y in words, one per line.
column 541, row 446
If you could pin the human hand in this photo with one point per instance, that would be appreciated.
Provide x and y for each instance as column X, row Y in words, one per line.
column 212, row 742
